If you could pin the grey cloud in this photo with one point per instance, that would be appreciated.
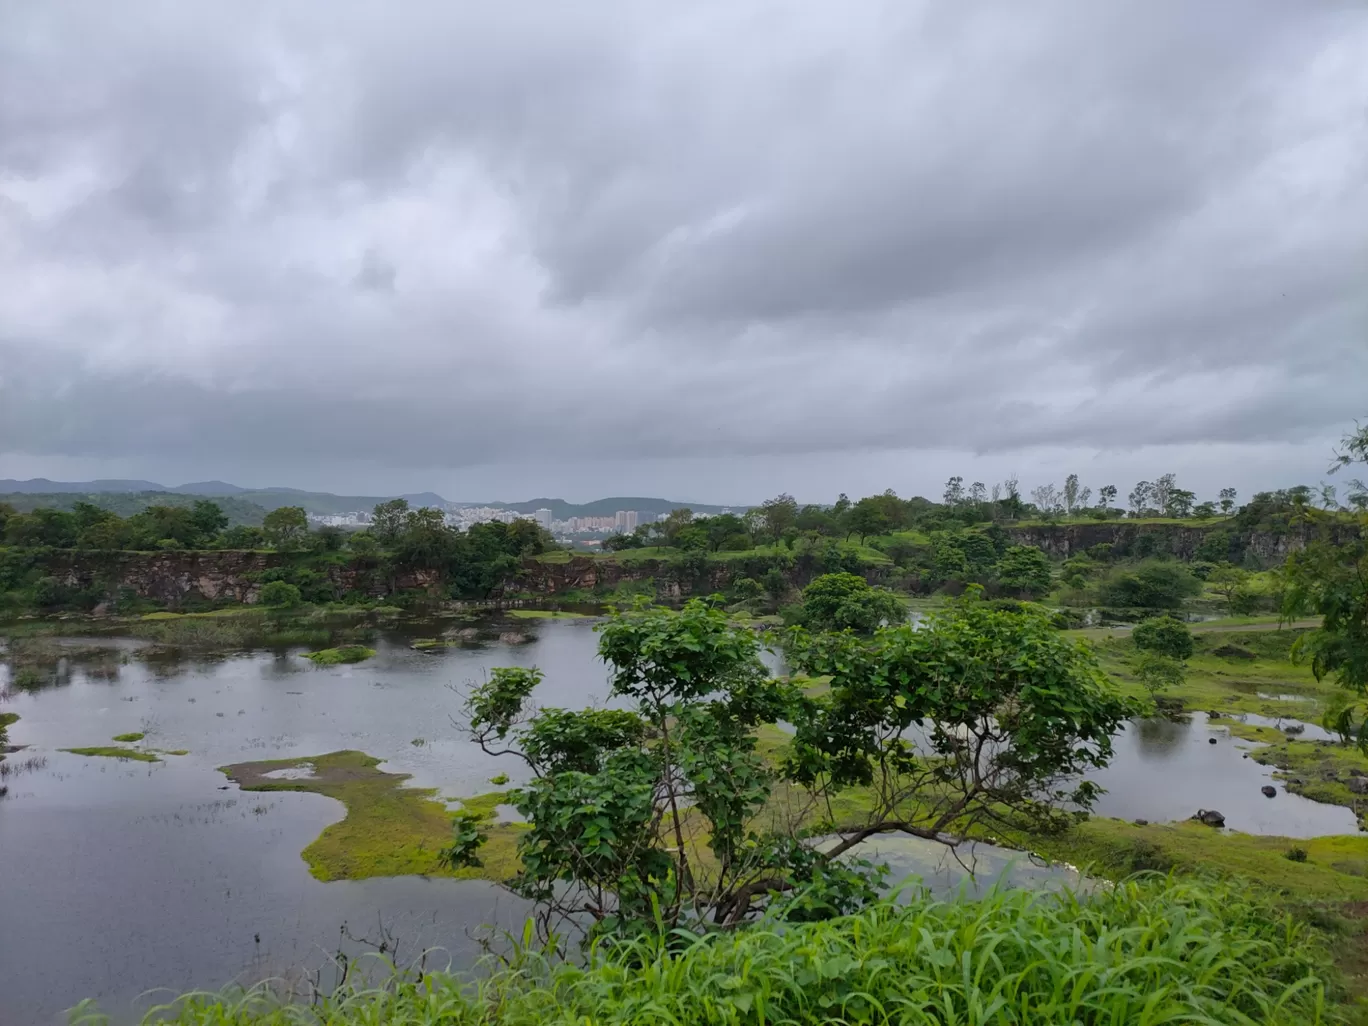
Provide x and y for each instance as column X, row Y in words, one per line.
column 449, row 235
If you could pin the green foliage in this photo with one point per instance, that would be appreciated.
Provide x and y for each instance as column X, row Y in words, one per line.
column 129, row 738
column 1152, row 584
column 343, row 654
column 1159, row 672
column 1165, row 636
column 1329, row 579
column 286, row 528
column 969, row 680
column 846, row 602
column 616, row 791
column 1023, row 570
column 1149, row 951
column 279, row 595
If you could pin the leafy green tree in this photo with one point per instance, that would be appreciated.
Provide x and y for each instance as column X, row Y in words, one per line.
column 1227, row 500
column 242, row 537
column 846, row 602
column 279, row 595
column 725, row 531
column 1024, row 571
column 1009, row 714
column 1329, row 579
column 43, row 527
column 666, row 812
column 388, row 520
column 1106, row 495
column 779, row 514
column 1164, row 635
column 286, row 528
column 328, row 539
column 1158, row 672
column 867, row 517
column 208, row 519
column 1152, row 584
column 1230, row 582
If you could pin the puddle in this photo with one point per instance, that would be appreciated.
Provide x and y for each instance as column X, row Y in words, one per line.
column 1165, row 771
column 975, row 867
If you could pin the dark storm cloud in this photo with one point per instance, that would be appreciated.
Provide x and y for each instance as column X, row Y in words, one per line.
column 440, row 235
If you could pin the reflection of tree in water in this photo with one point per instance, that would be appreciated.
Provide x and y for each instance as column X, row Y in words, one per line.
column 1159, row 737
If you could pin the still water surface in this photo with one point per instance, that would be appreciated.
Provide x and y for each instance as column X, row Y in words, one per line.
column 117, row 877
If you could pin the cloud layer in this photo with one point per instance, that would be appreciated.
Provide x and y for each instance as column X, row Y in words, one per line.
column 267, row 237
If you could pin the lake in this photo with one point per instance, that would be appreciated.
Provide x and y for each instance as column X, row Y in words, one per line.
column 117, row 877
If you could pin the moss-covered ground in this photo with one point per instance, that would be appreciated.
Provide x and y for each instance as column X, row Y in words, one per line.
column 337, row 656
column 390, row 829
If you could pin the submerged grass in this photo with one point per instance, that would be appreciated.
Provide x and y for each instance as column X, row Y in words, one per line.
column 112, row 752
column 389, row 830
column 1147, row 952
column 344, row 654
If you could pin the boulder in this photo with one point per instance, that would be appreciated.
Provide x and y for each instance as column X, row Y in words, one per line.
column 1141, row 822
column 1210, row 817
column 1356, row 772
column 1269, row 791
column 1211, row 740
column 1295, row 728
column 1357, row 785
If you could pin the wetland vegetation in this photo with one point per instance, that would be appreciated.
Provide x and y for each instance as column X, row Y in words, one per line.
column 701, row 792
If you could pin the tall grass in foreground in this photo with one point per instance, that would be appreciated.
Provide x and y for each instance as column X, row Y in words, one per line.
column 1148, row 952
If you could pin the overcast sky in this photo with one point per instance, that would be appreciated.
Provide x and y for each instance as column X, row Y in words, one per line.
column 699, row 250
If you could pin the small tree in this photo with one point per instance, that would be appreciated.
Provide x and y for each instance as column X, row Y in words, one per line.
column 1024, row 570
column 846, row 602
column 279, row 595
column 1227, row 503
column 667, row 813
column 1164, row 635
column 388, row 520
column 1159, row 672
column 286, row 527
column 1106, row 495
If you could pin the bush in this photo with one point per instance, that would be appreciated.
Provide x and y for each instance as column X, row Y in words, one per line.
column 1153, row 584
column 1165, row 636
column 839, row 602
column 1147, row 951
column 279, row 595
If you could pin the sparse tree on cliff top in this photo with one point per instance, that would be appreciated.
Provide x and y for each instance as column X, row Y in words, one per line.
column 387, row 521
column 1228, row 500
column 286, row 527
column 1070, row 495
column 1106, row 495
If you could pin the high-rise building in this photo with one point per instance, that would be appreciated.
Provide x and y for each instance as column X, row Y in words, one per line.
column 543, row 517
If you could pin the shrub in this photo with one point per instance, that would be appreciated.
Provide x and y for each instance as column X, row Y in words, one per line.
column 1153, row 584
column 345, row 654
column 279, row 595
column 1148, row 951
column 1164, row 635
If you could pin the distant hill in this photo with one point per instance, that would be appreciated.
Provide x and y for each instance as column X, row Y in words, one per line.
column 125, row 504
column 42, row 486
column 266, row 499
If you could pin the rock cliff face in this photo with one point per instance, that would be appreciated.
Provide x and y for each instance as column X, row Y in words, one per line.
column 174, row 578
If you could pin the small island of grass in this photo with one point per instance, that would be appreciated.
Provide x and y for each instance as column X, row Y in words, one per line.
column 129, row 738
column 344, row 654
column 390, row 829
column 111, row 752
column 546, row 614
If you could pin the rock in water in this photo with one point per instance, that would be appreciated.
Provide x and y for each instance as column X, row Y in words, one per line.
column 1294, row 728
column 1269, row 790
column 1210, row 817
column 1211, row 740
